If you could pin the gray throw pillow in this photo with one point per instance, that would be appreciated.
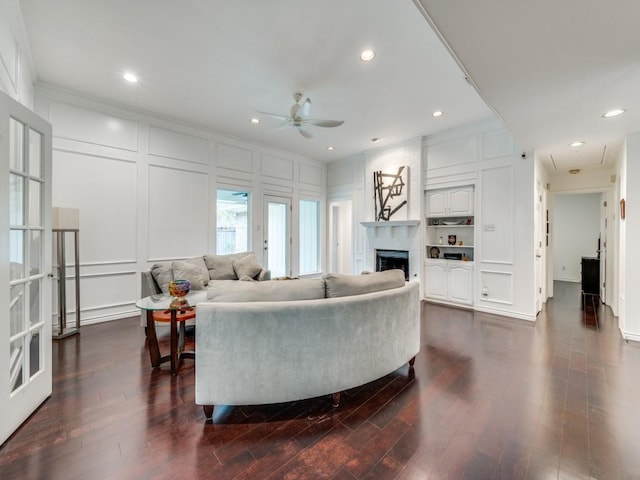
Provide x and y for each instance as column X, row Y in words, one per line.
column 220, row 267
column 185, row 270
column 163, row 274
column 199, row 262
column 338, row 285
column 247, row 267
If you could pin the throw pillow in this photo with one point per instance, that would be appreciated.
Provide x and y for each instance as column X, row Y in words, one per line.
column 220, row 267
column 184, row 270
column 247, row 267
column 338, row 285
column 199, row 262
column 163, row 275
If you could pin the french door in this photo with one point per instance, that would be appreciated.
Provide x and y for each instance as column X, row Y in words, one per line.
column 25, row 263
column 277, row 231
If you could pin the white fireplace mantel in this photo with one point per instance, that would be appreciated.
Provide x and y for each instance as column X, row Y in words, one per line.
column 391, row 224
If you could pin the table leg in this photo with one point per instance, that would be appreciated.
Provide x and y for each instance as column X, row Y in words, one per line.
column 152, row 340
column 174, row 342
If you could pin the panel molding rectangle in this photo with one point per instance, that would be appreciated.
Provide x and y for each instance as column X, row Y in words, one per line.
column 496, row 218
column 89, row 126
column 499, row 286
column 235, row 158
column 180, row 146
column 275, row 167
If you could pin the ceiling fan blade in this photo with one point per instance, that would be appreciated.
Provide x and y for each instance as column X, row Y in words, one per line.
column 281, row 126
column 305, row 133
column 324, row 123
column 273, row 115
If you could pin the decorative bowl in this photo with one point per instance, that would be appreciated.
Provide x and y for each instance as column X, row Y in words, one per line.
column 179, row 288
column 452, row 222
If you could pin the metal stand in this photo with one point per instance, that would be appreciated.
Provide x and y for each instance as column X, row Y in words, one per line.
column 62, row 330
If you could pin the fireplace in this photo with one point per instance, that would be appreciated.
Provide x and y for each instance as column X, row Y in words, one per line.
column 389, row 259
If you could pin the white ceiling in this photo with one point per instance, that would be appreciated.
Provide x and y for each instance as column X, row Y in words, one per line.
column 547, row 69
column 550, row 69
column 212, row 63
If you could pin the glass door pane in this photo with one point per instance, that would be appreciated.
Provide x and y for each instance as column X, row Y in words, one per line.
column 278, row 238
column 232, row 221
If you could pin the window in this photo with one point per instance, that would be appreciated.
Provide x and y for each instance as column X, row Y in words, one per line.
column 232, row 232
column 309, row 236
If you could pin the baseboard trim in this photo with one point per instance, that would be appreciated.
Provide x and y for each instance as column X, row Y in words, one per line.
column 505, row 313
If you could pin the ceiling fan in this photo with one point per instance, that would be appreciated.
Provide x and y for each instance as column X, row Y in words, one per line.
column 299, row 117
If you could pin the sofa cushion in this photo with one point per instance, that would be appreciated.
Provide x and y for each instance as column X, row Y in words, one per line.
column 338, row 285
column 269, row 290
column 186, row 270
column 199, row 262
column 163, row 275
column 246, row 267
column 220, row 266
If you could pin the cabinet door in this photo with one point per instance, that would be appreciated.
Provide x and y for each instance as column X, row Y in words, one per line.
column 436, row 280
column 437, row 203
column 460, row 283
column 460, row 201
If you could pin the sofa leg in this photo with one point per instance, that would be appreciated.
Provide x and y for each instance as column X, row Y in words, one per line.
column 412, row 361
column 208, row 411
column 336, row 400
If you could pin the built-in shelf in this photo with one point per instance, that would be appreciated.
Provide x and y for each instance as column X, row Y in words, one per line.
column 393, row 225
column 450, row 246
column 450, row 226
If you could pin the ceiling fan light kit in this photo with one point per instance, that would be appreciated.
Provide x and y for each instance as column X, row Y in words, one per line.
column 299, row 117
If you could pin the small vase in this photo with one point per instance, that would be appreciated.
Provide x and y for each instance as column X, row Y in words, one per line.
column 179, row 288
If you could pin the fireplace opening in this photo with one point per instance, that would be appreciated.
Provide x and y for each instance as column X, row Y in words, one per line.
column 390, row 259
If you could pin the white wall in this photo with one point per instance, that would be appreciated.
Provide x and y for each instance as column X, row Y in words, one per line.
column 484, row 155
column 576, row 228
column 145, row 189
column 16, row 69
column 630, row 239
column 352, row 179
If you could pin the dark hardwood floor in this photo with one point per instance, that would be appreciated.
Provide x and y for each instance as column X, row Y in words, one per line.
column 492, row 397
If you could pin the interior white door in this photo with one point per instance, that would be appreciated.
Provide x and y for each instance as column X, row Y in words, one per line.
column 602, row 247
column 277, row 231
column 25, row 252
column 341, row 248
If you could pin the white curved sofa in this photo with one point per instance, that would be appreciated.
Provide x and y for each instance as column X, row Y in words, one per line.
column 261, row 352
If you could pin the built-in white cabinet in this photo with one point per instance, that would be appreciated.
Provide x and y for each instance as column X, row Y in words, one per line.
column 449, row 281
column 450, row 202
column 449, row 245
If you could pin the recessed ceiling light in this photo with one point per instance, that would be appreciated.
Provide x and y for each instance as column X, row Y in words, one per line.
column 367, row 55
column 576, row 144
column 255, row 120
column 437, row 113
column 331, row 148
column 614, row 113
column 375, row 140
column 130, row 77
